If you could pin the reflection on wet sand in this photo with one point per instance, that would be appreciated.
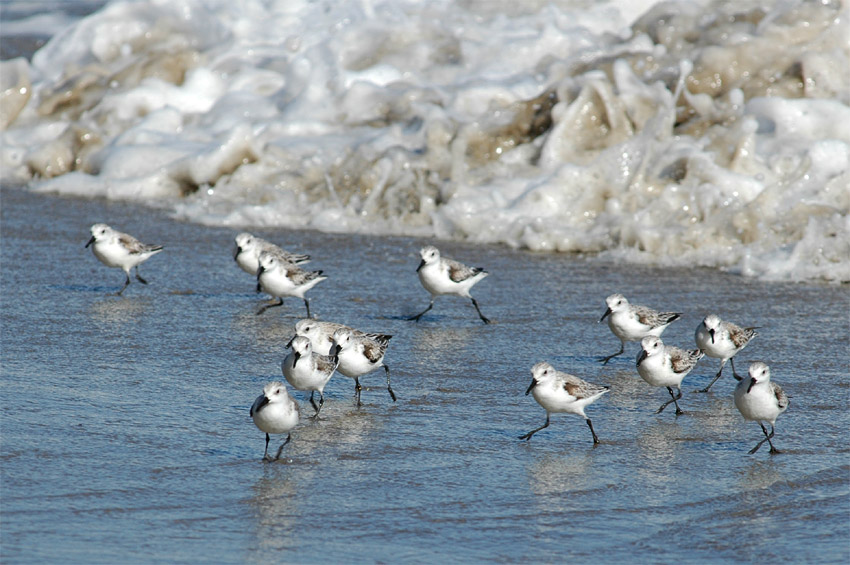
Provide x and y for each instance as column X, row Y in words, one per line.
column 118, row 309
column 557, row 474
column 434, row 343
column 275, row 502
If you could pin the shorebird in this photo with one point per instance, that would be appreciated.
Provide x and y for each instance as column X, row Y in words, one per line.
column 249, row 247
column 561, row 392
column 305, row 369
column 280, row 279
column 359, row 354
column 760, row 400
column 665, row 365
column 632, row 323
column 722, row 340
column 441, row 275
column 116, row 249
column 275, row 412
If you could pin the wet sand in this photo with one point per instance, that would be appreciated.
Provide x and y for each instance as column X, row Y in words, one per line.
column 126, row 435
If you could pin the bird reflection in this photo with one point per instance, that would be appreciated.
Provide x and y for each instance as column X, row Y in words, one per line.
column 275, row 503
column 123, row 310
column 557, row 474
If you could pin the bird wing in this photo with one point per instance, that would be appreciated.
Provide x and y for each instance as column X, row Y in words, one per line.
column 579, row 388
column 299, row 276
column 283, row 254
column 459, row 272
column 374, row 350
column 781, row 398
column 383, row 339
column 683, row 360
column 740, row 336
column 326, row 363
column 653, row 319
column 135, row 246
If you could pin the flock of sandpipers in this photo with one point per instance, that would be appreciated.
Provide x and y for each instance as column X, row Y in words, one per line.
column 319, row 349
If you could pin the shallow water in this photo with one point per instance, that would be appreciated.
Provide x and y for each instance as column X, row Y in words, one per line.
column 126, row 433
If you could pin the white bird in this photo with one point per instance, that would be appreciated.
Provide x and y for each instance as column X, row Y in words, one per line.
column 632, row 323
column 359, row 354
column 722, row 340
column 760, row 400
column 280, row 279
column 249, row 247
column 116, row 249
column 665, row 365
column 275, row 412
column 561, row 392
column 441, row 275
column 321, row 333
column 305, row 369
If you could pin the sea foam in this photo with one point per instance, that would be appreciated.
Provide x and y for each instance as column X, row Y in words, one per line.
column 679, row 133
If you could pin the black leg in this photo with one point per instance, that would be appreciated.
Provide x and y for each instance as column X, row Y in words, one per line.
column 270, row 305
column 673, row 399
column 313, row 402
column 321, row 403
column 590, row 425
column 534, row 431
column 389, row 388
column 280, row 449
column 767, row 438
column 139, row 277
column 357, row 389
column 126, row 284
column 422, row 313
column 717, row 376
column 604, row 360
column 734, row 373
column 266, row 452
column 480, row 315
column 307, row 304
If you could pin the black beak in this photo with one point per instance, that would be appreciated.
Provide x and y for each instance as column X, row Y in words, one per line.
column 421, row 264
column 90, row 242
column 605, row 315
column 263, row 402
column 259, row 272
column 289, row 345
column 296, row 357
column 641, row 357
column 237, row 252
column 335, row 350
column 753, row 383
column 531, row 386
column 711, row 333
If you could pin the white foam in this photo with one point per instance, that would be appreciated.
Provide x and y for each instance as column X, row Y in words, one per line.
column 701, row 134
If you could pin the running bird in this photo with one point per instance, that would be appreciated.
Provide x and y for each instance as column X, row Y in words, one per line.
column 722, row 340
column 116, row 249
column 561, row 392
column 761, row 400
column 305, row 369
column 249, row 247
column 632, row 323
column 275, row 412
column 665, row 365
column 280, row 279
column 445, row 276
column 358, row 354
